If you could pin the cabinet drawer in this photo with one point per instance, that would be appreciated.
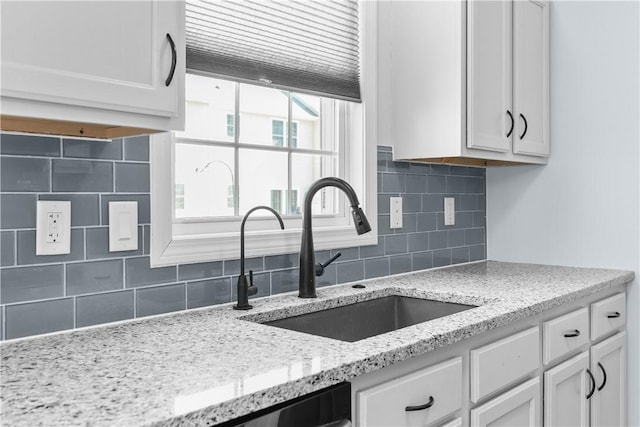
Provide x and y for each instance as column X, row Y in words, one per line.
column 385, row 404
column 608, row 315
column 564, row 334
column 503, row 362
column 517, row 407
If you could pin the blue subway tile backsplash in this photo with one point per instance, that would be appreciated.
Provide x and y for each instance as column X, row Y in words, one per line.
column 92, row 286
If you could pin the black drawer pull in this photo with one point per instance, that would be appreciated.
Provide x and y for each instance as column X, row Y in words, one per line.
column 575, row 333
column 593, row 384
column 427, row 405
column 613, row 315
column 174, row 59
column 604, row 375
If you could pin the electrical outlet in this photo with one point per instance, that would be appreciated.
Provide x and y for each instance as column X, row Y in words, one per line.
column 395, row 209
column 53, row 227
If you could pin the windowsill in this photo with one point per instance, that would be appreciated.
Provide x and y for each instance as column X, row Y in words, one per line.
column 183, row 250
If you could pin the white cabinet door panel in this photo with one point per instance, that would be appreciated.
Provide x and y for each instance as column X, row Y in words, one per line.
column 565, row 393
column 531, row 77
column 608, row 405
column 489, row 75
column 103, row 54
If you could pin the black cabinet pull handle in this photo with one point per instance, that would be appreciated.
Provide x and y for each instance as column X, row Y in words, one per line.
column 575, row 333
column 512, row 124
column 604, row 374
column 427, row 405
column 174, row 60
column 613, row 315
column 526, row 126
column 593, row 384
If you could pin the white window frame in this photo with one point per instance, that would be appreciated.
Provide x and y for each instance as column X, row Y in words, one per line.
column 361, row 172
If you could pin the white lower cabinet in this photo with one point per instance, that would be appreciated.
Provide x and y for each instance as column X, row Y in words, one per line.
column 566, row 388
column 608, row 364
column 517, row 407
column 417, row 399
column 503, row 377
column 590, row 388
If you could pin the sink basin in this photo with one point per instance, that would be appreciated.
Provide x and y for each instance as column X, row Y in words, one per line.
column 366, row 319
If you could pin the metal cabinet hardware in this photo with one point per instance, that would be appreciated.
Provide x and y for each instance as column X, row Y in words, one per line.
column 604, row 374
column 427, row 405
column 526, row 126
column 174, row 60
column 512, row 123
column 593, row 384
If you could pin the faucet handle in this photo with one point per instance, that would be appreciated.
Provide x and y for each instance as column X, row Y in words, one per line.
column 320, row 267
column 251, row 290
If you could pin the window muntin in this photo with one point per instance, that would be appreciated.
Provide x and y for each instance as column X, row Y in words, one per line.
column 225, row 173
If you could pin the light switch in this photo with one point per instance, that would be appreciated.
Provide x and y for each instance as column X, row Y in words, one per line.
column 123, row 226
column 395, row 209
column 53, row 227
column 449, row 211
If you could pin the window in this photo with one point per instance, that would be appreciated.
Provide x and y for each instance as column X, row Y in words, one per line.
column 225, row 177
column 279, row 131
column 246, row 145
column 179, row 194
column 231, row 125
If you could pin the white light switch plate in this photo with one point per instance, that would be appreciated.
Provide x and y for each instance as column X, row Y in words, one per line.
column 449, row 211
column 53, row 227
column 396, row 212
column 123, row 226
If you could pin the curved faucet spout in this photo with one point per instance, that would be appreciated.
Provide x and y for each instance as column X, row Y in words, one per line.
column 307, row 256
column 246, row 288
column 273, row 211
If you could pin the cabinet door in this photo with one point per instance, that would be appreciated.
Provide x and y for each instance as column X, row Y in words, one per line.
column 517, row 407
column 489, row 113
column 398, row 403
column 608, row 364
column 111, row 55
column 531, row 77
column 565, row 393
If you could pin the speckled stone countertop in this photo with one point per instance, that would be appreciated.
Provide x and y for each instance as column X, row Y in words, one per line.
column 212, row 365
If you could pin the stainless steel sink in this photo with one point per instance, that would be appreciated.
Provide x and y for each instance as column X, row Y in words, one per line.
column 366, row 319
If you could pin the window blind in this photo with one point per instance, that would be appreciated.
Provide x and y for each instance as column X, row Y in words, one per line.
column 302, row 45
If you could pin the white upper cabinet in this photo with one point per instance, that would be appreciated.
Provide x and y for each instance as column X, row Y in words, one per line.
column 489, row 82
column 468, row 81
column 112, row 63
column 531, row 77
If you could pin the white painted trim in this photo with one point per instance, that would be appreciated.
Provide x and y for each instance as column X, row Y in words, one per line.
column 169, row 250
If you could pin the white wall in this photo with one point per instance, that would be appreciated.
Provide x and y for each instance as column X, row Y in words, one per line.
column 583, row 208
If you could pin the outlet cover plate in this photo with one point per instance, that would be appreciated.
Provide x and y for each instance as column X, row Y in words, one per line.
column 53, row 227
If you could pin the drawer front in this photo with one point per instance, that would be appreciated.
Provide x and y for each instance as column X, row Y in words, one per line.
column 564, row 334
column 386, row 404
column 503, row 362
column 608, row 315
column 517, row 407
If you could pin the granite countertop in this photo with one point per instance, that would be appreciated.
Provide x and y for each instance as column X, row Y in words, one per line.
column 210, row 365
